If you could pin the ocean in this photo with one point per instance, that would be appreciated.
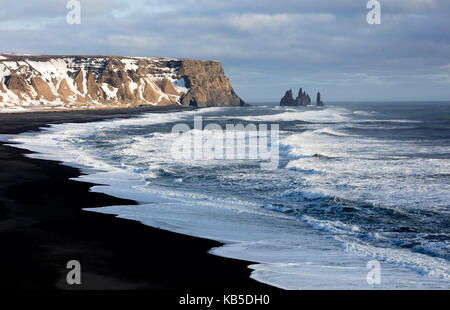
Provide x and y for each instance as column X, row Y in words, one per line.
column 355, row 183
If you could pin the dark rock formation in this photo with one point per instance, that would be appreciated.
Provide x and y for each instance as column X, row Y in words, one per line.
column 288, row 99
column 319, row 102
column 303, row 99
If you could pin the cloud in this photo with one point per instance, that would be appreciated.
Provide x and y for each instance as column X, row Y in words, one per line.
column 139, row 42
column 257, row 22
column 274, row 22
column 265, row 46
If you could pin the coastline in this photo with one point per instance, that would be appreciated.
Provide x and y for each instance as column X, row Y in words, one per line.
column 43, row 226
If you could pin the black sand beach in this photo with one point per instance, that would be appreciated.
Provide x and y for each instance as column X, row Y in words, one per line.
column 43, row 226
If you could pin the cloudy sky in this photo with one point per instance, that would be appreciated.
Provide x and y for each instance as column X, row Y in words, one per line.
column 266, row 46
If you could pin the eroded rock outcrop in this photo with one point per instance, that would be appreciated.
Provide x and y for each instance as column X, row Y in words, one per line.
column 319, row 102
column 303, row 99
column 288, row 99
column 66, row 82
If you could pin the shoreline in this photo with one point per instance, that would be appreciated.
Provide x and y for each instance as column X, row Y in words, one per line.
column 43, row 226
column 13, row 123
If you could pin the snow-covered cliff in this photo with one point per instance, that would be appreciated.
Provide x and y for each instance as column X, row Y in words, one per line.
column 31, row 83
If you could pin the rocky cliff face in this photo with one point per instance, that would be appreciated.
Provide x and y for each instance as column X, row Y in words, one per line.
column 82, row 82
column 208, row 84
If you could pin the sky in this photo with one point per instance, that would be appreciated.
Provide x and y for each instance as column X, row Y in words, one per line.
column 265, row 46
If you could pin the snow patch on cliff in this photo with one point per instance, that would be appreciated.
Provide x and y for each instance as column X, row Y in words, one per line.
column 68, row 79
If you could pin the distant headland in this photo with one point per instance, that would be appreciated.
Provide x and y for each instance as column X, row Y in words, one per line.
column 74, row 82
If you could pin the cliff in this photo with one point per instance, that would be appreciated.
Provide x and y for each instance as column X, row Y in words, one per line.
column 208, row 84
column 30, row 82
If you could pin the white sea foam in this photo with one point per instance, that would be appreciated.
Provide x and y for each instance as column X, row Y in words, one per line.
column 332, row 115
column 362, row 164
column 424, row 264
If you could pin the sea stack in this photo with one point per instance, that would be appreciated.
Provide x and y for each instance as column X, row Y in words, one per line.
column 319, row 102
column 303, row 99
column 288, row 99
